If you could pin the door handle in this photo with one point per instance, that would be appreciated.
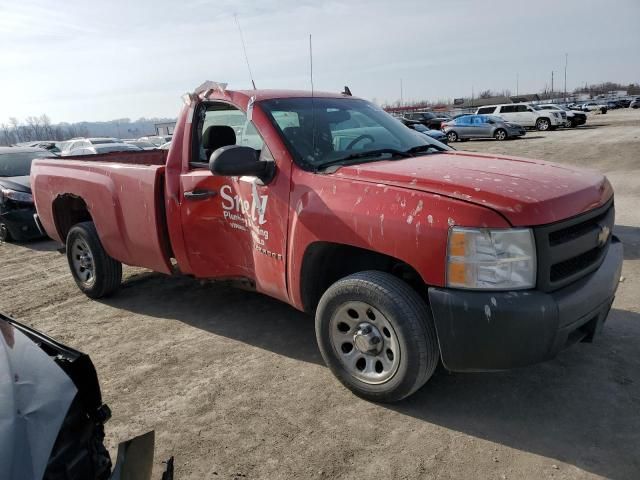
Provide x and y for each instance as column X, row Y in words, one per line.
column 199, row 194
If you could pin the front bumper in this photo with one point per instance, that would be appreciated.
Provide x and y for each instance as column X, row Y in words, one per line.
column 21, row 223
column 516, row 132
column 500, row 330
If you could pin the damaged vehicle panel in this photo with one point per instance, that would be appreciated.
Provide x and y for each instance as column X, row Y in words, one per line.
column 52, row 416
column 407, row 252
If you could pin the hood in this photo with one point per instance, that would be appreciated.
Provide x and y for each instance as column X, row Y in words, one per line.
column 526, row 192
column 19, row 184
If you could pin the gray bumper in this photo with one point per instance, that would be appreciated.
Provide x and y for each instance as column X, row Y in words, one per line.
column 501, row 330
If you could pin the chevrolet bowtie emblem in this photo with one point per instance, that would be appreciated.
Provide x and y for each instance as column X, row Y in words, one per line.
column 603, row 235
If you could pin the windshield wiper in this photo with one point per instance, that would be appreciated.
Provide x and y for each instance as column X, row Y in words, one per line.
column 372, row 154
column 424, row 148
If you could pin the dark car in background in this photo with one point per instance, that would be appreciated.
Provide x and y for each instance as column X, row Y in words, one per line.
column 16, row 203
column 430, row 120
column 438, row 135
column 468, row 127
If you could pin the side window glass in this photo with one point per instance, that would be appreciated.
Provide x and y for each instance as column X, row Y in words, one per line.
column 222, row 125
column 522, row 108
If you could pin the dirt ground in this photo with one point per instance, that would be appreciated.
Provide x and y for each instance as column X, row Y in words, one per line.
column 234, row 386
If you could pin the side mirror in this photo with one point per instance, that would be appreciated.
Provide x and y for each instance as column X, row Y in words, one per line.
column 237, row 160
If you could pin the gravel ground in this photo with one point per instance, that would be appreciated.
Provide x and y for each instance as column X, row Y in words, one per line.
column 234, row 386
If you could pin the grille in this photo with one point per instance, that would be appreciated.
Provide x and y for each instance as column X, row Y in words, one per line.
column 573, row 248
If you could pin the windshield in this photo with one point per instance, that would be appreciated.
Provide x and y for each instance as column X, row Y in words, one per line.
column 19, row 164
column 319, row 131
column 420, row 128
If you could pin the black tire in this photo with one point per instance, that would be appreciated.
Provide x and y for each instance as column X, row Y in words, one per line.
column 452, row 136
column 5, row 235
column 543, row 124
column 500, row 134
column 107, row 272
column 412, row 326
column 572, row 123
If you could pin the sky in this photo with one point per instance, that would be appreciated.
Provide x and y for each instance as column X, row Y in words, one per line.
column 93, row 60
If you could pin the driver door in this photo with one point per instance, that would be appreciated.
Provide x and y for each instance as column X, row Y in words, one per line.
column 234, row 227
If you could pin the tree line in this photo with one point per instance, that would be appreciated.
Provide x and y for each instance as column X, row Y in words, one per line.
column 35, row 128
column 38, row 128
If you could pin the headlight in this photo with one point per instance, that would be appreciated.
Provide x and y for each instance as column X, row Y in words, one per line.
column 501, row 259
column 16, row 196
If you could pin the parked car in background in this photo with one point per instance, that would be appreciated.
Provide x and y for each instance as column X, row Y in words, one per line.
column 430, row 120
column 102, row 148
column 438, row 135
column 141, row 144
column 635, row 103
column 43, row 144
column 16, row 203
column 77, row 143
column 418, row 127
column 571, row 119
column 594, row 106
column 525, row 115
column 467, row 127
column 165, row 146
column 575, row 118
column 157, row 140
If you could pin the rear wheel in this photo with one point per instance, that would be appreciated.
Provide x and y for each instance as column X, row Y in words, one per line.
column 500, row 134
column 543, row 124
column 377, row 336
column 95, row 272
column 452, row 136
column 5, row 236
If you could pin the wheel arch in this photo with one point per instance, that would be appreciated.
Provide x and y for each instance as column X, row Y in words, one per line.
column 324, row 263
column 68, row 210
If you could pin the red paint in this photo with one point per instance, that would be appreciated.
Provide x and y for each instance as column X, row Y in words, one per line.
column 401, row 208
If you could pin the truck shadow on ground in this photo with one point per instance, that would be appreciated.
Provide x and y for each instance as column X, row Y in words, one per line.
column 581, row 408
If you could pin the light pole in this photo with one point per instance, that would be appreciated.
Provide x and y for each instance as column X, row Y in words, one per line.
column 566, row 60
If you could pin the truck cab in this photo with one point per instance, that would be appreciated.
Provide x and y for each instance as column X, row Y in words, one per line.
column 407, row 252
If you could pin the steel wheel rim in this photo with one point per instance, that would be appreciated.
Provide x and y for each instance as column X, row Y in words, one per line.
column 350, row 339
column 4, row 233
column 501, row 135
column 544, row 125
column 82, row 260
column 452, row 136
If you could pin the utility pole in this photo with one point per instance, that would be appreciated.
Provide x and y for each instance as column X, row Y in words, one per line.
column 566, row 60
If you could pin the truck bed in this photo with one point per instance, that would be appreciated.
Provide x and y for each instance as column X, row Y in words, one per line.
column 144, row 157
column 122, row 193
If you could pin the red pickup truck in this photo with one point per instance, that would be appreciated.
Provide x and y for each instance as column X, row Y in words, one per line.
column 407, row 251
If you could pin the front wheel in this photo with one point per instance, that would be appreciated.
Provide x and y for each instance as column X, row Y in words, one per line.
column 500, row 134
column 95, row 272
column 543, row 124
column 452, row 136
column 572, row 123
column 377, row 336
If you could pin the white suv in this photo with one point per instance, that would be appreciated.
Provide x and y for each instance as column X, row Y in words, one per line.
column 525, row 115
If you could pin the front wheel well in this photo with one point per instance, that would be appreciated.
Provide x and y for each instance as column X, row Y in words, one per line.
column 324, row 263
column 69, row 210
